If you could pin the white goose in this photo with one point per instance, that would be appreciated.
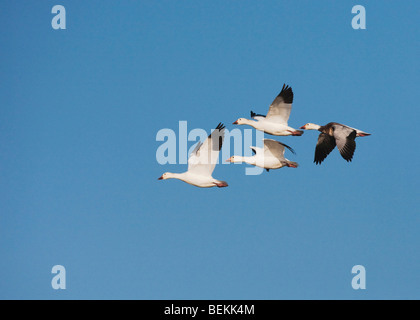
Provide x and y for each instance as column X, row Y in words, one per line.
column 271, row 157
column 275, row 122
column 335, row 134
column 202, row 162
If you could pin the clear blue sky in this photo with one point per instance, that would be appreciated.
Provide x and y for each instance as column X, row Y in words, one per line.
column 79, row 113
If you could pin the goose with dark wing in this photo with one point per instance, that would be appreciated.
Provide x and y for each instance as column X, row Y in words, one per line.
column 335, row 134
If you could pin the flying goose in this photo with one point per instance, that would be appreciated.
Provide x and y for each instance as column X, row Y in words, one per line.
column 269, row 157
column 275, row 122
column 335, row 134
column 202, row 161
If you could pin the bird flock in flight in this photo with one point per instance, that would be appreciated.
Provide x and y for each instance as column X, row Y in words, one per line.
column 203, row 158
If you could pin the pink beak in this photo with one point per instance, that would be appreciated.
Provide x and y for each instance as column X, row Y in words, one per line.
column 303, row 127
column 236, row 122
column 228, row 160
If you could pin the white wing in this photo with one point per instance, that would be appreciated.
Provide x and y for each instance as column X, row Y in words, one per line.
column 281, row 107
column 273, row 148
column 203, row 159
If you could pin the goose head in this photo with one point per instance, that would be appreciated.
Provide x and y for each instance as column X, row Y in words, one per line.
column 234, row 159
column 166, row 175
column 310, row 126
column 240, row 121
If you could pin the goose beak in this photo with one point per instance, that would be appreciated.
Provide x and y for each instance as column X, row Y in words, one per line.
column 236, row 122
column 229, row 160
column 161, row 178
column 303, row 127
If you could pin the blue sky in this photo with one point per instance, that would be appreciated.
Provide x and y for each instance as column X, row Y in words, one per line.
column 80, row 109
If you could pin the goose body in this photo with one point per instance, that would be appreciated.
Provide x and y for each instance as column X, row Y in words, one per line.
column 269, row 157
column 335, row 134
column 194, row 179
column 276, row 120
column 202, row 161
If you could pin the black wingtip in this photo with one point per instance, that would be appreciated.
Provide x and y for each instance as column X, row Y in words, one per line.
column 219, row 134
column 253, row 114
column 319, row 159
column 220, row 126
column 287, row 94
column 290, row 148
